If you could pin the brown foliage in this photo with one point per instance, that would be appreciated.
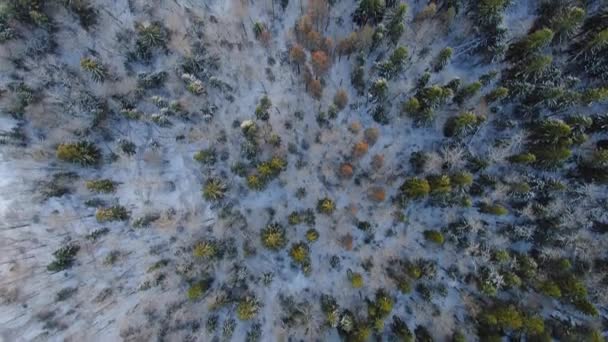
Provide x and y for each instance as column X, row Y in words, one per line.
column 297, row 54
column 315, row 88
column 355, row 127
column 347, row 242
column 371, row 135
column 318, row 11
column 377, row 161
column 320, row 62
column 360, row 149
column 341, row 99
column 265, row 38
column 303, row 26
column 376, row 193
column 327, row 45
column 346, row 171
column 347, row 45
column 313, row 40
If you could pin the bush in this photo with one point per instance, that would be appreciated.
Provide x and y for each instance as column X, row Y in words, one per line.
column 64, row 258
column 149, row 37
column 263, row 108
column 247, row 308
column 113, row 213
column 356, row 279
column 434, row 236
column 273, row 237
column 101, row 186
column 326, row 206
column 205, row 249
column 214, row 189
column 84, row 153
column 312, row 235
column 207, row 156
column 299, row 253
column 197, row 290
column 97, row 71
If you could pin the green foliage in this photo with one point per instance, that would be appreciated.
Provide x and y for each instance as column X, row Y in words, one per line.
column 434, row 236
column 400, row 329
column 206, row 249
column 312, row 235
column 567, row 22
column 273, row 237
column 197, row 290
column 369, row 11
column 262, row 111
column 522, row 158
column 84, row 153
column 550, row 142
column 113, row 213
column 458, row 336
column 443, row 59
column 97, row 233
column 461, row 179
column 396, row 26
column 149, row 37
column 266, row 171
column 391, row 68
column 299, row 253
column 590, row 96
column 357, row 79
column 379, row 309
column 535, row 65
column 462, row 124
column 415, row 188
column 497, row 94
column 467, row 92
column 326, row 206
column 534, row 325
column 214, row 189
column 101, row 186
column 440, row 184
column 247, row 308
column 206, row 156
column 550, row 288
column 506, row 317
column 64, row 258
column 531, row 44
column 411, row 106
column 493, row 209
column 379, row 90
column 97, row 71
column 356, row 279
